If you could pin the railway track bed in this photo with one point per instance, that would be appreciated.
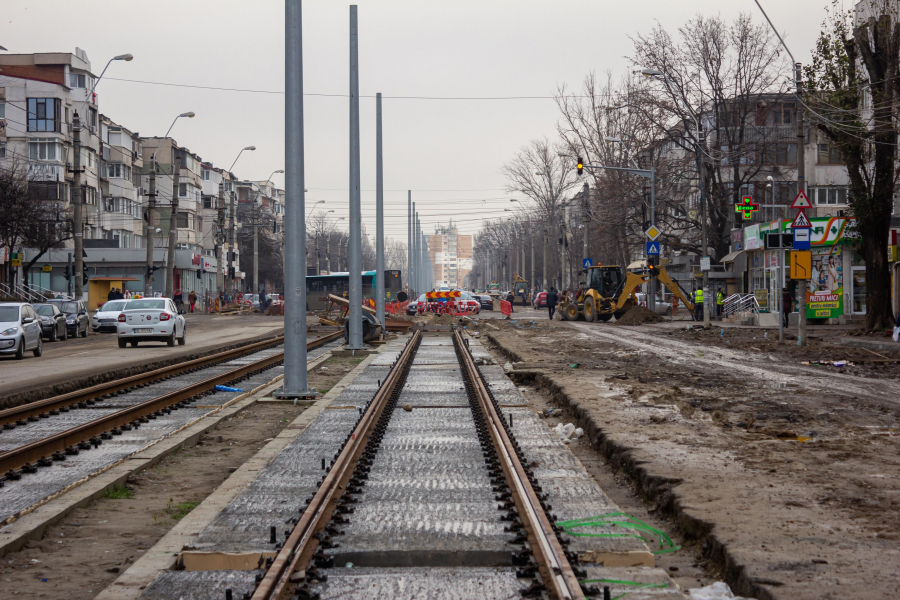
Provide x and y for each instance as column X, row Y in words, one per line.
column 100, row 427
column 426, row 477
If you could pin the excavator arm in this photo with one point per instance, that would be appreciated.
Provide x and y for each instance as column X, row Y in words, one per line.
column 673, row 286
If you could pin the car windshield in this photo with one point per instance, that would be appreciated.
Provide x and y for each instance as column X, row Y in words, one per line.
column 146, row 304
column 113, row 306
column 67, row 307
column 44, row 310
column 9, row 314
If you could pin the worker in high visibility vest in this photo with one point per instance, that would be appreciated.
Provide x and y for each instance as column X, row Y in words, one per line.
column 720, row 302
column 698, row 304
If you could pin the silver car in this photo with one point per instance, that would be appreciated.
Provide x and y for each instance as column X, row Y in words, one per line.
column 20, row 330
column 107, row 316
column 151, row 320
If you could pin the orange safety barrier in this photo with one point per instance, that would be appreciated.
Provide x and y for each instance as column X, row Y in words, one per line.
column 505, row 308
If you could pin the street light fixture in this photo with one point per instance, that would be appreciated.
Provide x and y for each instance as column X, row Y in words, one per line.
column 125, row 57
column 251, row 148
column 313, row 208
column 189, row 115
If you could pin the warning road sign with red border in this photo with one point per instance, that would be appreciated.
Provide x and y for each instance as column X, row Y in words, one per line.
column 801, row 221
column 801, row 201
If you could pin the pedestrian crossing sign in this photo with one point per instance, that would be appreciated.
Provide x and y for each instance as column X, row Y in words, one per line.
column 653, row 248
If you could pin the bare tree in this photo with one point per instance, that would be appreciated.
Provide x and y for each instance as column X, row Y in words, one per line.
column 720, row 95
column 30, row 217
column 854, row 99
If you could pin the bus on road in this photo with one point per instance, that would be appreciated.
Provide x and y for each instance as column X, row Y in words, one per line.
column 318, row 287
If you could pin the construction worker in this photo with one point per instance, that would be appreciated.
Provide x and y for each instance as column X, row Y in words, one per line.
column 698, row 304
column 720, row 302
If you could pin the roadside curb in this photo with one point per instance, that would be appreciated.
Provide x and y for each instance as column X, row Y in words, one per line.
column 869, row 344
column 164, row 554
column 653, row 487
column 32, row 524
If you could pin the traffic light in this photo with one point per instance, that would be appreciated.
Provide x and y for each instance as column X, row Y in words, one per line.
column 68, row 273
column 231, row 272
column 580, row 166
column 84, row 274
column 151, row 270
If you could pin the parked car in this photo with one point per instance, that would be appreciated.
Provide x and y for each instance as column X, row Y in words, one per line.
column 486, row 302
column 412, row 307
column 20, row 330
column 107, row 316
column 53, row 322
column 77, row 320
column 540, row 300
column 662, row 307
column 151, row 320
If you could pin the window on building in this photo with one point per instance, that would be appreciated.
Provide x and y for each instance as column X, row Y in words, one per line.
column 182, row 190
column 761, row 114
column 828, row 155
column 785, row 154
column 2, row 110
column 785, row 192
column 2, row 150
column 77, row 80
column 205, row 174
column 824, row 196
column 207, row 202
column 181, row 221
column 43, row 114
column 785, row 113
column 119, row 170
column 43, row 150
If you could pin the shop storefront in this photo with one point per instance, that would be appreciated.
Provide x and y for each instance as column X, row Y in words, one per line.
column 837, row 288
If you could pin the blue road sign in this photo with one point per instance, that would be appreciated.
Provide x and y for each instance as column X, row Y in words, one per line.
column 586, row 262
column 801, row 239
column 652, row 248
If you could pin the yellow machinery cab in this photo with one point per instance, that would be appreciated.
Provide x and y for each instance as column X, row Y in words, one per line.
column 99, row 288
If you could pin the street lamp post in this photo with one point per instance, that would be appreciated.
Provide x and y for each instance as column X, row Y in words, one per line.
column 232, row 267
column 151, row 206
column 78, row 191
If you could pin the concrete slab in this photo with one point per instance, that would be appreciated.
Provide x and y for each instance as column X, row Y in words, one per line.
column 200, row 585
column 417, row 584
column 634, row 583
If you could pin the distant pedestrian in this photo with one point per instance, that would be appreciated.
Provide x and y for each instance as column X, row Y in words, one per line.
column 720, row 302
column 552, row 299
column 786, row 301
column 698, row 304
column 192, row 299
column 263, row 304
column 178, row 299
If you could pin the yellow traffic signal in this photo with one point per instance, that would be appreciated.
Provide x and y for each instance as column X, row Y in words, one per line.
column 580, row 166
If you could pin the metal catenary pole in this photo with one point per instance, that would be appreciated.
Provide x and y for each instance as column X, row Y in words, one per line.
column 379, row 214
column 255, row 247
column 220, row 238
column 151, row 207
column 295, row 380
column 355, row 341
column 173, row 227
column 77, row 208
column 69, row 284
column 232, row 246
column 801, row 187
column 408, row 241
column 586, row 219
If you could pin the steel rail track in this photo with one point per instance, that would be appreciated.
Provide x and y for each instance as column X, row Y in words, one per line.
column 21, row 415
column 557, row 573
column 56, row 447
column 291, row 564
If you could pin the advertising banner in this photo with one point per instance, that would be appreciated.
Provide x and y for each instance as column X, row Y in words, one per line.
column 752, row 241
column 826, row 299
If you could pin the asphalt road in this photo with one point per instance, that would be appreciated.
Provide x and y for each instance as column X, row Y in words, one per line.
column 80, row 357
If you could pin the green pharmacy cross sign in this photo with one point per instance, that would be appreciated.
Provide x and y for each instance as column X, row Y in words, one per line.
column 747, row 207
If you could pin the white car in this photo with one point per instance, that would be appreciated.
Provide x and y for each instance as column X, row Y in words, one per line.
column 107, row 316
column 151, row 320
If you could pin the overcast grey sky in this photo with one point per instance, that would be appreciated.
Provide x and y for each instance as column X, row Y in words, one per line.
column 449, row 152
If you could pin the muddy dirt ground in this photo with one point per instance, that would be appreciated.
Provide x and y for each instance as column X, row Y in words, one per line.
column 87, row 551
column 782, row 476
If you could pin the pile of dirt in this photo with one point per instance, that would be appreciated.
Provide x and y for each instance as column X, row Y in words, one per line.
column 639, row 316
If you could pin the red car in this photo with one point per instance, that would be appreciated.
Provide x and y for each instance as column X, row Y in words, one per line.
column 540, row 300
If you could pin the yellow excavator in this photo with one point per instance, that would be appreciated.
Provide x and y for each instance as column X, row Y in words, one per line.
column 520, row 291
column 609, row 291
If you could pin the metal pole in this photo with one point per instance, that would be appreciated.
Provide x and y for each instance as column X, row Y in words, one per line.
column 651, row 301
column 173, row 228
column 779, row 302
column 151, row 206
column 801, row 187
column 531, row 241
column 295, row 382
column 409, row 242
column 220, row 238
column 544, row 268
column 77, row 208
column 413, row 249
column 379, row 215
column 705, row 244
column 355, row 341
column 417, row 255
column 71, row 280
column 586, row 218
column 232, row 246
column 255, row 247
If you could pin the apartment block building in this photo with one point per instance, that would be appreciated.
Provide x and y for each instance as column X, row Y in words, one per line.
column 451, row 256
